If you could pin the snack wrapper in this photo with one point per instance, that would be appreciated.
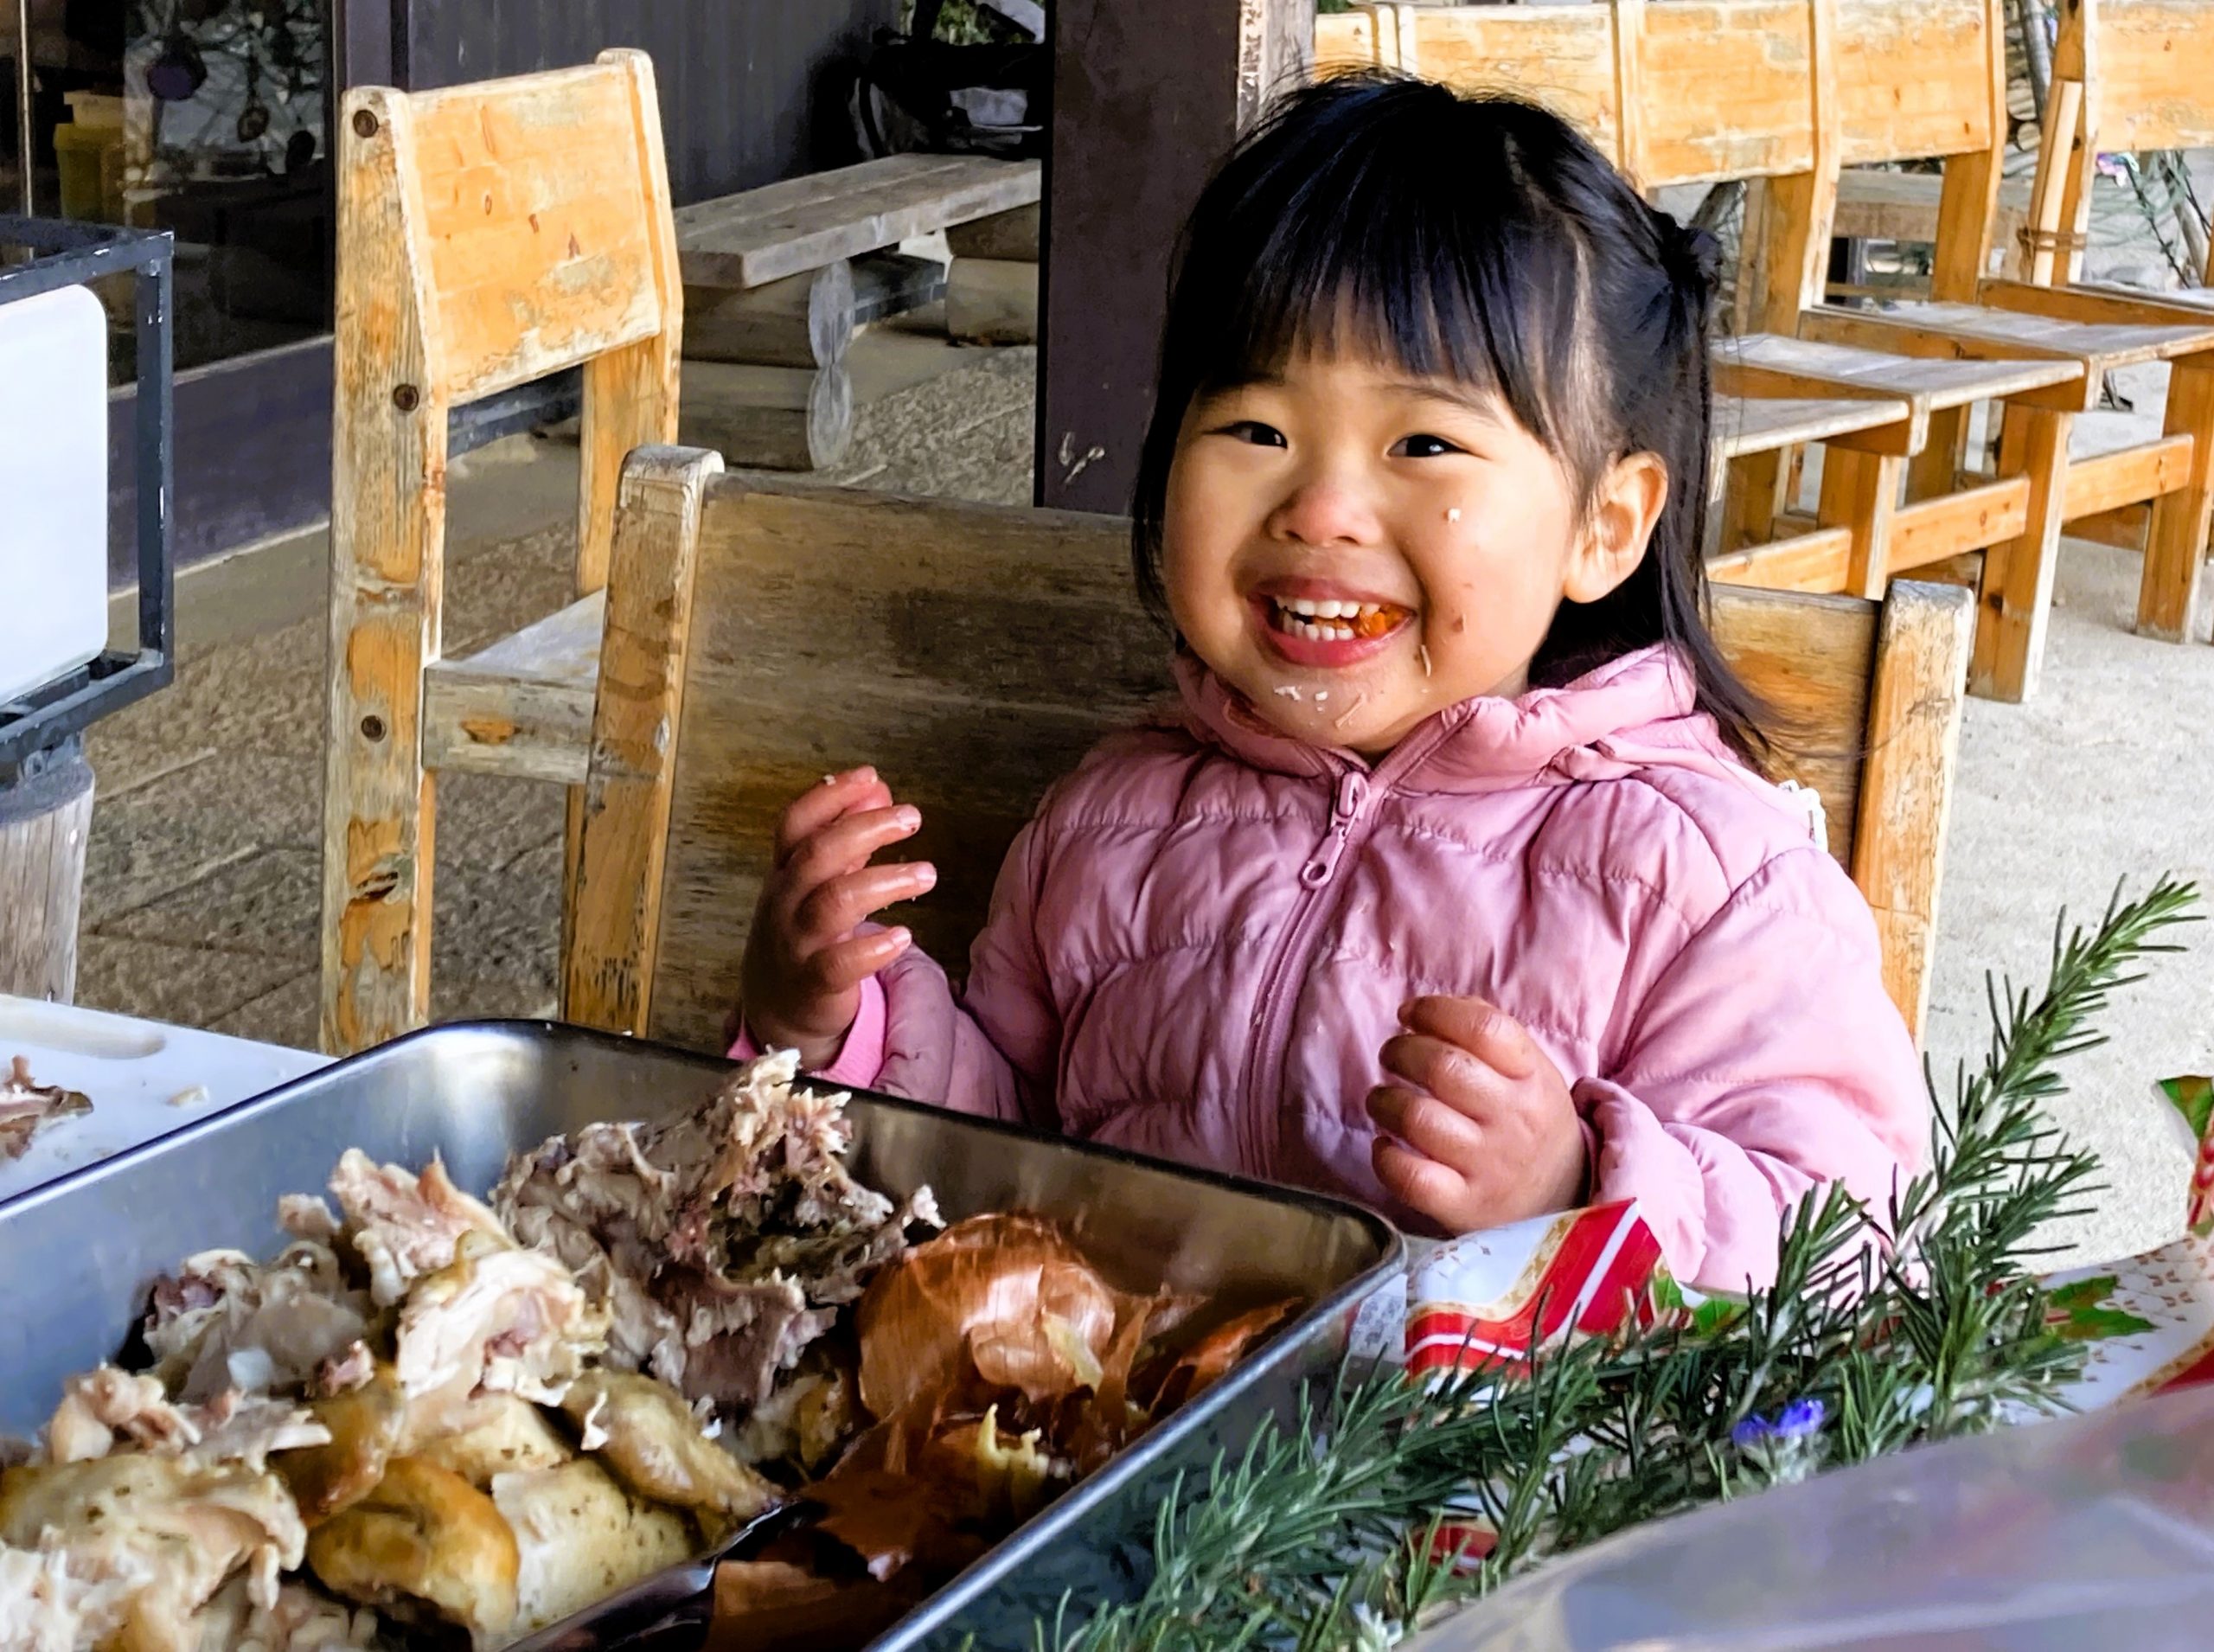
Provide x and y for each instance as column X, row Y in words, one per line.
column 1486, row 1300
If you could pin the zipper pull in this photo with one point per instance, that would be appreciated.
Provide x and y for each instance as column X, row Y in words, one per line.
column 1351, row 798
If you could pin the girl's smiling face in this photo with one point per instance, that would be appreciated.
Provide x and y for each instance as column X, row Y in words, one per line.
column 1353, row 547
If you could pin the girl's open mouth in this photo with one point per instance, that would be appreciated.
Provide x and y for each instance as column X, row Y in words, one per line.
column 1328, row 630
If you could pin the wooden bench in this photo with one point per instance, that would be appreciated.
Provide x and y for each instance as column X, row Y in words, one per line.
column 777, row 279
column 760, row 634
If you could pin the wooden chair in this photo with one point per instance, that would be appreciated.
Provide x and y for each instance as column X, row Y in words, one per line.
column 2130, row 75
column 488, row 236
column 760, row 635
column 1701, row 91
column 1951, row 55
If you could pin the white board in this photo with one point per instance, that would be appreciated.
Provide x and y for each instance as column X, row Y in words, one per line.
column 142, row 1078
column 53, row 486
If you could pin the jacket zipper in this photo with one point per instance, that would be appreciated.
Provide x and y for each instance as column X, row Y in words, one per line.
column 1265, row 1059
column 1356, row 791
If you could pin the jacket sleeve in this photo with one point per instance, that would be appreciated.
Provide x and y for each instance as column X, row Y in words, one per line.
column 1767, row 1058
column 992, row 1049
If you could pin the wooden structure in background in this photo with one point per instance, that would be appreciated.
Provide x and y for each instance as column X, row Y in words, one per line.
column 1146, row 99
column 1960, row 47
column 489, row 235
column 2131, row 75
column 1701, row 91
column 999, row 645
column 1788, row 92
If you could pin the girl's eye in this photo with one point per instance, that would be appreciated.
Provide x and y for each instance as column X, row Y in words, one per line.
column 1424, row 447
column 1253, row 431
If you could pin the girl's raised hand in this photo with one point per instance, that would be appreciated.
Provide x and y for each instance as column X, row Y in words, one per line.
column 801, row 982
column 1482, row 1131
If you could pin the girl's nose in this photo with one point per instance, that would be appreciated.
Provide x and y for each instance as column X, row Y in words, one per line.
column 1325, row 509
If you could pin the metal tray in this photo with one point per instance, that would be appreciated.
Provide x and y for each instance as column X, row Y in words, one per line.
column 78, row 1255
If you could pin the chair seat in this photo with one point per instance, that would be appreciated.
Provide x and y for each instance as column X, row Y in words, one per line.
column 1932, row 386
column 523, row 706
column 1976, row 331
column 1746, row 425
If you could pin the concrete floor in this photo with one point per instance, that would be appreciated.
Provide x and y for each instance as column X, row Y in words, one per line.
column 202, row 894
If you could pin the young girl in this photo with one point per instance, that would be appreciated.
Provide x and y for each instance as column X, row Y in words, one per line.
column 1461, row 799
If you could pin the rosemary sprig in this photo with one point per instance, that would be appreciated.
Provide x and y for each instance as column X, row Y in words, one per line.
column 1329, row 1536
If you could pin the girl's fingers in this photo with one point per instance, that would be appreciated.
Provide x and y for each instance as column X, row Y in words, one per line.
column 1420, row 1184
column 1429, row 1126
column 835, row 909
column 846, row 844
column 845, row 964
column 817, row 807
column 1486, row 1031
column 1456, row 1077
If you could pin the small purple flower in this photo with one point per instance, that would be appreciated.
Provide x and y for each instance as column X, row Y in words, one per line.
column 1801, row 1418
column 1797, row 1421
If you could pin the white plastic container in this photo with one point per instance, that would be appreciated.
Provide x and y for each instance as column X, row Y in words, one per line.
column 53, row 487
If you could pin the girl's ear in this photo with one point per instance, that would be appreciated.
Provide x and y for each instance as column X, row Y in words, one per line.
column 1616, row 528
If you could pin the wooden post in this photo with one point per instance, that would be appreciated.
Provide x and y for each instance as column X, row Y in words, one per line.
column 1147, row 95
column 44, row 819
column 1906, row 790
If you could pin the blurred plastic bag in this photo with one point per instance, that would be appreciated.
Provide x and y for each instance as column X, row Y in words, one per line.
column 2093, row 1533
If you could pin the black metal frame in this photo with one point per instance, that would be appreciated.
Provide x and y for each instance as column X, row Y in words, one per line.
column 37, row 725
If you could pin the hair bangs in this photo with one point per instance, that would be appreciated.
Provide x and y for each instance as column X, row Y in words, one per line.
column 1373, row 250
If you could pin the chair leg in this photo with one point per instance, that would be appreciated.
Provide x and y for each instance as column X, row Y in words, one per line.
column 378, row 805
column 2018, row 576
column 1861, row 492
column 1752, row 498
column 1935, row 471
column 2175, row 544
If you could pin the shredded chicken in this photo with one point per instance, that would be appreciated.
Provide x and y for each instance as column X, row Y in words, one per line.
column 226, row 1322
column 404, row 1225
column 497, row 1320
column 26, row 1107
column 157, row 1535
column 105, row 1408
column 721, row 1241
column 46, row 1607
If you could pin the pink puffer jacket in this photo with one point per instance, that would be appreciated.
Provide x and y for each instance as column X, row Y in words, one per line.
column 1198, row 948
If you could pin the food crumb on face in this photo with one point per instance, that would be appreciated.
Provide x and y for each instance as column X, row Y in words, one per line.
column 1321, row 695
column 1340, row 720
column 1454, row 514
column 1289, row 690
column 1424, row 649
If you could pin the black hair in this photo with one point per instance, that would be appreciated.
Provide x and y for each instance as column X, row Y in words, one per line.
column 1483, row 240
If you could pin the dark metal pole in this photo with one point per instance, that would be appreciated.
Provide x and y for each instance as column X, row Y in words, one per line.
column 24, row 100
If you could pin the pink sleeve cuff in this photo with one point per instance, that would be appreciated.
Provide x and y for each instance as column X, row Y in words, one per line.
column 862, row 1056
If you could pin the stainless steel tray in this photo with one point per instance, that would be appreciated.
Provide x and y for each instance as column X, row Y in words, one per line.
column 78, row 1256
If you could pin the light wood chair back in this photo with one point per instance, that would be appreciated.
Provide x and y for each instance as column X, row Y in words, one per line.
column 2128, row 76
column 1673, row 93
column 760, row 636
column 488, row 236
